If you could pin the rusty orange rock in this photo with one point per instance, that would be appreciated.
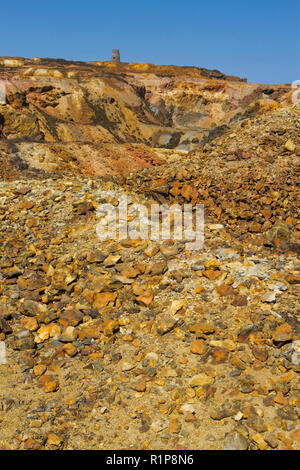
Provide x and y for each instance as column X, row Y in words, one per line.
column 145, row 299
column 32, row 444
column 70, row 349
column 281, row 399
column 39, row 370
column 219, row 354
column 295, row 435
column 51, row 386
column 174, row 424
column 202, row 328
column 283, row 333
column 224, row 290
column 212, row 274
column 103, row 299
column 199, row 347
column 25, row 204
column 260, row 354
column 240, row 301
column 54, row 440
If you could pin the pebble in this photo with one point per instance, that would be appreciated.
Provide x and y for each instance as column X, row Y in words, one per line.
column 236, row 441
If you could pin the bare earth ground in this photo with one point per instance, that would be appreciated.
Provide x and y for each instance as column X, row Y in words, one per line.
column 142, row 344
column 137, row 344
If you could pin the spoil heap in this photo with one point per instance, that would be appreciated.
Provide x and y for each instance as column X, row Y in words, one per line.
column 138, row 344
column 247, row 179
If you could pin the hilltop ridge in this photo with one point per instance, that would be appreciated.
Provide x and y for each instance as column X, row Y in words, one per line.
column 85, row 109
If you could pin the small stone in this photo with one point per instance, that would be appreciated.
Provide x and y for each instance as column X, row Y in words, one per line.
column 111, row 260
column 26, row 204
column 290, row 146
column 240, row 301
column 283, row 333
column 145, row 299
column 201, row 380
column 68, row 335
column 32, row 444
column 295, row 356
column 187, row 408
column 42, row 334
column 157, row 269
column 269, row 297
column 175, row 306
column 257, row 424
column 201, row 329
column 31, row 308
column 260, row 354
column 295, row 435
column 169, row 252
column 212, row 274
column 190, row 418
column 95, row 257
column 126, row 365
column 140, row 387
column 218, row 414
column 199, row 347
column 219, row 355
column 71, row 317
column 30, row 323
column 174, row 425
column 130, row 273
column 238, row 416
column 151, row 251
column 224, row 290
column 236, row 441
column 51, row 386
column 54, row 440
column 23, row 343
column 109, row 328
column 271, row 439
column 287, row 413
column 165, row 324
column 280, row 399
column 293, row 278
column 267, row 213
column 199, row 289
column 158, row 426
column 70, row 349
column 39, row 370
column 259, row 440
column 103, row 299
column 186, row 192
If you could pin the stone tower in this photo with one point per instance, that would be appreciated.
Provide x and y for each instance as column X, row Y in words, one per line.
column 115, row 56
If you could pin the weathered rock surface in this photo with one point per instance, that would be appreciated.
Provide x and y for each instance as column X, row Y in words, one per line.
column 140, row 344
column 69, row 116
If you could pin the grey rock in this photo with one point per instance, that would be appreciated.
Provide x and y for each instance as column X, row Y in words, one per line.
column 235, row 441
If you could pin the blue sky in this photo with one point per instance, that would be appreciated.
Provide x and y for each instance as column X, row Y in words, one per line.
column 257, row 39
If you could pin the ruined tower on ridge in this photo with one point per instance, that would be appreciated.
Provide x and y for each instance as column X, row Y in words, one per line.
column 115, row 56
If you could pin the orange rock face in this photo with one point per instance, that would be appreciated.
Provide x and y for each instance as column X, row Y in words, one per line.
column 101, row 118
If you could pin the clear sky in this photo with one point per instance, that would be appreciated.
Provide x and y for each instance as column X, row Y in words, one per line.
column 257, row 39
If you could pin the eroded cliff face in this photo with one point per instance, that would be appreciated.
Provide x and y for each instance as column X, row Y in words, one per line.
column 89, row 108
column 106, row 336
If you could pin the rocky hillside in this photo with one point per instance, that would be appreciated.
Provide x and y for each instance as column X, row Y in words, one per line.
column 61, row 115
column 248, row 178
column 137, row 343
